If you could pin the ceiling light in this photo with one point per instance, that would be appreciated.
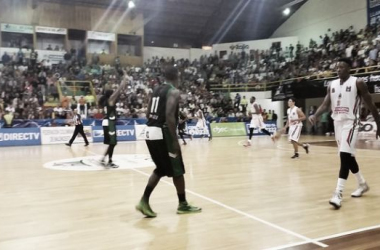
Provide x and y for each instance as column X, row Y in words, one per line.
column 286, row 12
column 131, row 4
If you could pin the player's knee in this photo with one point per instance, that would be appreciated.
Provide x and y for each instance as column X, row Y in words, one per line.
column 346, row 159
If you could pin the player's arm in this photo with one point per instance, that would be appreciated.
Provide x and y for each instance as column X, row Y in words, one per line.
column 171, row 105
column 363, row 92
column 117, row 92
column 324, row 106
column 256, row 108
column 301, row 116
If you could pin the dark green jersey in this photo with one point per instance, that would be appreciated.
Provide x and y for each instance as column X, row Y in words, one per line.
column 157, row 107
column 110, row 112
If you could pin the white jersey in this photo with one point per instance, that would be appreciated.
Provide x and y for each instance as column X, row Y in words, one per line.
column 293, row 115
column 345, row 101
column 253, row 110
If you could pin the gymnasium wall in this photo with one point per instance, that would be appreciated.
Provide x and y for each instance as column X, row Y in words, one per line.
column 315, row 17
column 190, row 54
column 70, row 16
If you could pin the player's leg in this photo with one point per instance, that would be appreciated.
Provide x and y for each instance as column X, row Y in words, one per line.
column 76, row 131
column 81, row 132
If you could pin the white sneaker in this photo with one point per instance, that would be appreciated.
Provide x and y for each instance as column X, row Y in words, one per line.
column 247, row 144
column 336, row 200
column 361, row 190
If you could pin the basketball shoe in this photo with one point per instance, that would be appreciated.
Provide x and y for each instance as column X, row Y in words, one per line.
column 186, row 208
column 336, row 200
column 361, row 190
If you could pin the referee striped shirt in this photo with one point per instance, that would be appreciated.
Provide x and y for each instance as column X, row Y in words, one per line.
column 77, row 119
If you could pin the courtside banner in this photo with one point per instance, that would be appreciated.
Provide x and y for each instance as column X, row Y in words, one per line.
column 60, row 135
column 20, row 137
column 228, row 129
column 367, row 130
column 140, row 132
column 124, row 133
column 271, row 127
column 196, row 132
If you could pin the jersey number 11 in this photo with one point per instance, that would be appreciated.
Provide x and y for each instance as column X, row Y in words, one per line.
column 154, row 106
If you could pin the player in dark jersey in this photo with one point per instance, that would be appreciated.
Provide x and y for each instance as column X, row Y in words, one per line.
column 182, row 126
column 162, row 142
column 108, row 102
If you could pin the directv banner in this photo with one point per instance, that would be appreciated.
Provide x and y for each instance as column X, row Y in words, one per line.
column 61, row 135
column 228, row 129
column 367, row 130
column 124, row 133
column 271, row 127
column 20, row 137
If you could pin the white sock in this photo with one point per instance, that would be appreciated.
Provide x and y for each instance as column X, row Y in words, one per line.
column 249, row 140
column 359, row 177
column 340, row 185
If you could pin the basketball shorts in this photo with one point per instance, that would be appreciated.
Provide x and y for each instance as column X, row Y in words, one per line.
column 110, row 133
column 346, row 135
column 160, row 145
column 257, row 122
column 294, row 132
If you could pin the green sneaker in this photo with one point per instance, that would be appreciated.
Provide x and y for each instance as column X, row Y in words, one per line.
column 185, row 208
column 145, row 209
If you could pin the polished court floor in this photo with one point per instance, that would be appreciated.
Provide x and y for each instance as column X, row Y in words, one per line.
column 252, row 198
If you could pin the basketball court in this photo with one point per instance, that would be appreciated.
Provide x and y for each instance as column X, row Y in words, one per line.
column 56, row 197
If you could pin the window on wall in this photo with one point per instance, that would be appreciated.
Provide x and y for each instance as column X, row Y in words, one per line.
column 222, row 53
column 100, row 47
column 128, row 45
column 16, row 40
column 77, row 43
column 50, row 42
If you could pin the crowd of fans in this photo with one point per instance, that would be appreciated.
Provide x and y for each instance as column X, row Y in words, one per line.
column 27, row 84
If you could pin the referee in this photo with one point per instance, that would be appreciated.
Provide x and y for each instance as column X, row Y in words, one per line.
column 77, row 120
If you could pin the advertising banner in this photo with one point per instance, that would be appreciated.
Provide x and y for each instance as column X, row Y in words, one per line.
column 17, row 28
column 124, row 133
column 51, row 30
column 271, row 127
column 196, row 132
column 95, row 35
column 140, row 132
column 373, row 11
column 367, row 130
column 228, row 129
column 20, row 137
column 61, row 135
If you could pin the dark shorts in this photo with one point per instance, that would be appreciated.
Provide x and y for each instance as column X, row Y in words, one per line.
column 159, row 151
column 110, row 137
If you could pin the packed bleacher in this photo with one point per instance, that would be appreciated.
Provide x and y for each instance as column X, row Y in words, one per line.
column 27, row 84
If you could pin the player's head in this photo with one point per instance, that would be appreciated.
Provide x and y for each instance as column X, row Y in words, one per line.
column 104, row 99
column 253, row 99
column 171, row 75
column 344, row 67
column 291, row 102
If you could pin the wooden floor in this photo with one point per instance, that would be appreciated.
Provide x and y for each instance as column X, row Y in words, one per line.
column 252, row 198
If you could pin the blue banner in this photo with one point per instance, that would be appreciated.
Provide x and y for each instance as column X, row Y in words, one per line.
column 20, row 137
column 192, row 129
column 124, row 133
column 270, row 126
column 373, row 11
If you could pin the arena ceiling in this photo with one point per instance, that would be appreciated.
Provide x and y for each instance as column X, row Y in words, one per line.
column 205, row 22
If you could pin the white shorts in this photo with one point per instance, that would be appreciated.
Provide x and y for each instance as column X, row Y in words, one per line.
column 257, row 122
column 346, row 135
column 294, row 132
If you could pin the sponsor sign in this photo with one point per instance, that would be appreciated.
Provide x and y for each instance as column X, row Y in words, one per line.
column 94, row 35
column 124, row 133
column 373, row 11
column 140, row 132
column 228, row 129
column 17, row 28
column 60, row 135
column 51, row 30
column 20, row 137
column 240, row 46
column 92, row 163
column 367, row 130
column 271, row 127
column 197, row 132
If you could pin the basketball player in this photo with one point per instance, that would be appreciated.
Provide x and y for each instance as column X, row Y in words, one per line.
column 77, row 121
column 256, row 120
column 344, row 96
column 201, row 125
column 182, row 126
column 161, row 139
column 294, row 122
column 108, row 102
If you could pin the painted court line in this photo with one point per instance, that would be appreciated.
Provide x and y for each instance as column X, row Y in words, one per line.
column 306, row 239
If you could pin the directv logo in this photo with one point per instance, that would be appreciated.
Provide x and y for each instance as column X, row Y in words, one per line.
column 98, row 133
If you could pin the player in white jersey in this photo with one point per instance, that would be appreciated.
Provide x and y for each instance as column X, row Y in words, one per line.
column 201, row 123
column 257, row 121
column 294, row 122
column 344, row 96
